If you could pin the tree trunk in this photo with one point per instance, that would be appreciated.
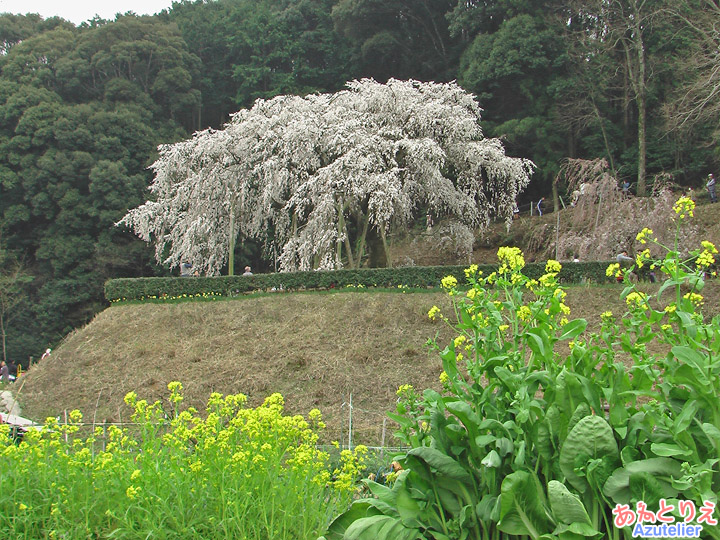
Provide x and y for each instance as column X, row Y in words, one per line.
column 2, row 329
column 386, row 248
column 377, row 255
column 342, row 229
column 361, row 240
column 635, row 57
column 605, row 137
column 642, row 116
column 231, row 245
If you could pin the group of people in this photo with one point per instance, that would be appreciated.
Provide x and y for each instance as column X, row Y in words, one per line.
column 8, row 372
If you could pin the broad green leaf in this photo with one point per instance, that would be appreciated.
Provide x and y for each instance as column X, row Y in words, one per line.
column 669, row 450
column 686, row 416
column 521, row 509
column 466, row 415
column 486, row 509
column 380, row 528
column 504, row 446
column 492, row 459
column 538, row 341
column 645, row 487
column 404, row 421
column 689, row 356
column 592, row 437
column 484, row 440
column 409, row 509
column 581, row 411
column 566, row 507
column 663, row 469
column 442, row 463
column 336, row 529
column 383, row 493
column 573, row 329
column 713, row 433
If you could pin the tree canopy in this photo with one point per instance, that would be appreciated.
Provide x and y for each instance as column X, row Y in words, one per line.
column 311, row 176
column 84, row 108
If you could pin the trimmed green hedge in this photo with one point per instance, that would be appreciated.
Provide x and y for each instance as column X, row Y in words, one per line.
column 411, row 276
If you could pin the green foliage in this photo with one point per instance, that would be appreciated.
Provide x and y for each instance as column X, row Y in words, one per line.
column 543, row 427
column 232, row 472
column 412, row 276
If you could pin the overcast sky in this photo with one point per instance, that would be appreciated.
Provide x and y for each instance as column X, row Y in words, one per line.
column 78, row 11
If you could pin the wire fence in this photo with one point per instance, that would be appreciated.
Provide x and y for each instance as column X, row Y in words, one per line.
column 349, row 426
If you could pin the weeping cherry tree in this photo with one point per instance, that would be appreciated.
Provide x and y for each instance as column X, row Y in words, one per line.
column 322, row 179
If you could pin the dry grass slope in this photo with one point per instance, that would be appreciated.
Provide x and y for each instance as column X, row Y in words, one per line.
column 314, row 348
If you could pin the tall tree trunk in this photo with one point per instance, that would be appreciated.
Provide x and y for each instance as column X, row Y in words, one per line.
column 642, row 116
column 605, row 137
column 2, row 329
column 377, row 254
column 342, row 229
column 231, row 244
column 386, row 247
column 361, row 240
column 634, row 48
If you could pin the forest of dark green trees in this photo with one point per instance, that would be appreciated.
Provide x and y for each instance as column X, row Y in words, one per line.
column 83, row 109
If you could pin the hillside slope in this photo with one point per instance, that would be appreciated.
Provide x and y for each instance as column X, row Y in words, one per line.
column 315, row 348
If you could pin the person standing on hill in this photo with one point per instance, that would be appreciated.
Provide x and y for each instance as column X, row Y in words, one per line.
column 248, row 271
column 4, row 372
column 711, row 188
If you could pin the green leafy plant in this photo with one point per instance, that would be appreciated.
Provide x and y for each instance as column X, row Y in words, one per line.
column 543, row 427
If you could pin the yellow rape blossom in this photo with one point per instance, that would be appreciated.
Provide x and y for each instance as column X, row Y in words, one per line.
column 524, row 313
column 552, row 266
column 695, row 298
column 433, row 312
column 404, row 390
column 642, row 257
column 684, row 207
column 642, row 235
column 635, row 298
column 612, row 270
column 705, row 259
column 449, row 282
column 512, row 257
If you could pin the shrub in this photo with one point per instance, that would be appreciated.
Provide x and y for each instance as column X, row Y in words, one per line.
column 413, row 276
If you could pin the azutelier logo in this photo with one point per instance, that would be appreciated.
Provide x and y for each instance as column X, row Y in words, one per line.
column 661, row 524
